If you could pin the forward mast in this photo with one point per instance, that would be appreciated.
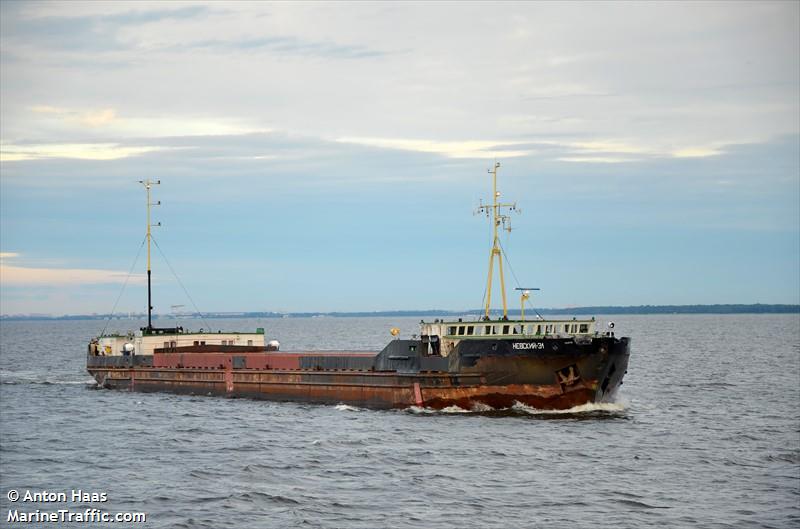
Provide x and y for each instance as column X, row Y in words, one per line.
column 500, row 220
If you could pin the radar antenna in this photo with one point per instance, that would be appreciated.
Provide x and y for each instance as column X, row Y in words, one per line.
column 524, row 296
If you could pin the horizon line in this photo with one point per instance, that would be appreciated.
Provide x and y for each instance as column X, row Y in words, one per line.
column 741, row 308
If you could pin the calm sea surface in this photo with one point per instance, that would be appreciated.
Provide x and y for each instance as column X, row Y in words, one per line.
column 706, row 433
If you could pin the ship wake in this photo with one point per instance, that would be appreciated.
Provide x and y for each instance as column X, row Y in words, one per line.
column 590, row 410
column 31, row 377
column 589, row 407
column 347, row 407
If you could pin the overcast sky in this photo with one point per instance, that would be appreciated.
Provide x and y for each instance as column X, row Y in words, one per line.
column 329, row 156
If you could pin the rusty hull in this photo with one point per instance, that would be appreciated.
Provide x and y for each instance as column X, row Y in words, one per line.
column 373, row 390
column 559, row 375
column 367, row 389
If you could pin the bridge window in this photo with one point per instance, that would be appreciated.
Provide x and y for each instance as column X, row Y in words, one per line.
column 505, row 329
column 461, row 330
column 451, row 330
column 470, row 330
column 584, row 327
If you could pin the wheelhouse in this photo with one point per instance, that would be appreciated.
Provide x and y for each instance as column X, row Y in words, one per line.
column 441, row 336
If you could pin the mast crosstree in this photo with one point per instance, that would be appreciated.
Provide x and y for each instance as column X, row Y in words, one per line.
column 500, row 220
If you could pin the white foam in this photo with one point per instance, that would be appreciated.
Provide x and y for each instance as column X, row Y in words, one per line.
column 582, row 408
column 430, row 411
column 421, row 411
column 454, row 409
column 346, row 407
column 480, row 407
column 68, row 382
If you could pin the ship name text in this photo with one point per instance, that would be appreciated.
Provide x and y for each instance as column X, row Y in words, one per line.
column 528, row 345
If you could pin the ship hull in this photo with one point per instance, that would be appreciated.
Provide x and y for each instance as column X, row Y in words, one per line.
column 496, row 377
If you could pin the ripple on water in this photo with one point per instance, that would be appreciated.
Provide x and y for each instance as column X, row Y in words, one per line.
column 701, row 421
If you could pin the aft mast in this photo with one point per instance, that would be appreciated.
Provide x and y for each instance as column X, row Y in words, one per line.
column 147, row 185
column 498, row 220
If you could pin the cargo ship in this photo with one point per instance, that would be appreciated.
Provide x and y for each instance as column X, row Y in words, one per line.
column 470, row 363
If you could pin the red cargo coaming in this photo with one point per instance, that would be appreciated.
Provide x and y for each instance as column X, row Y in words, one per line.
column 225, row 360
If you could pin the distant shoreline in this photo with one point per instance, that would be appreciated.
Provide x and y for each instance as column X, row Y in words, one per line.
column 756, row 308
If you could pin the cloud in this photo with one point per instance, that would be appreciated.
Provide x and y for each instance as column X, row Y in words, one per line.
column 138, row 17
column 46, row 109
column 450, row 149
column 587, row 151
column 78, row 151
column 562, row 91
column 11, row 275
column 62, row 31
column 99, row 118
column 128, row 30
column 16, row 276
column 88, row 118
column 174, row 126
column 285, row 45
column 89, row 121
column 246, row 65
column 595, row 159
column 609, row 146
column 696, row 152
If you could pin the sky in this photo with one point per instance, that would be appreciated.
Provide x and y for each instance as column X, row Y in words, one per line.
column 330, row 156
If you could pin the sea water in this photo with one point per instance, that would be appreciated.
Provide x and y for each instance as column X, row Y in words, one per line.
column 705, row 432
